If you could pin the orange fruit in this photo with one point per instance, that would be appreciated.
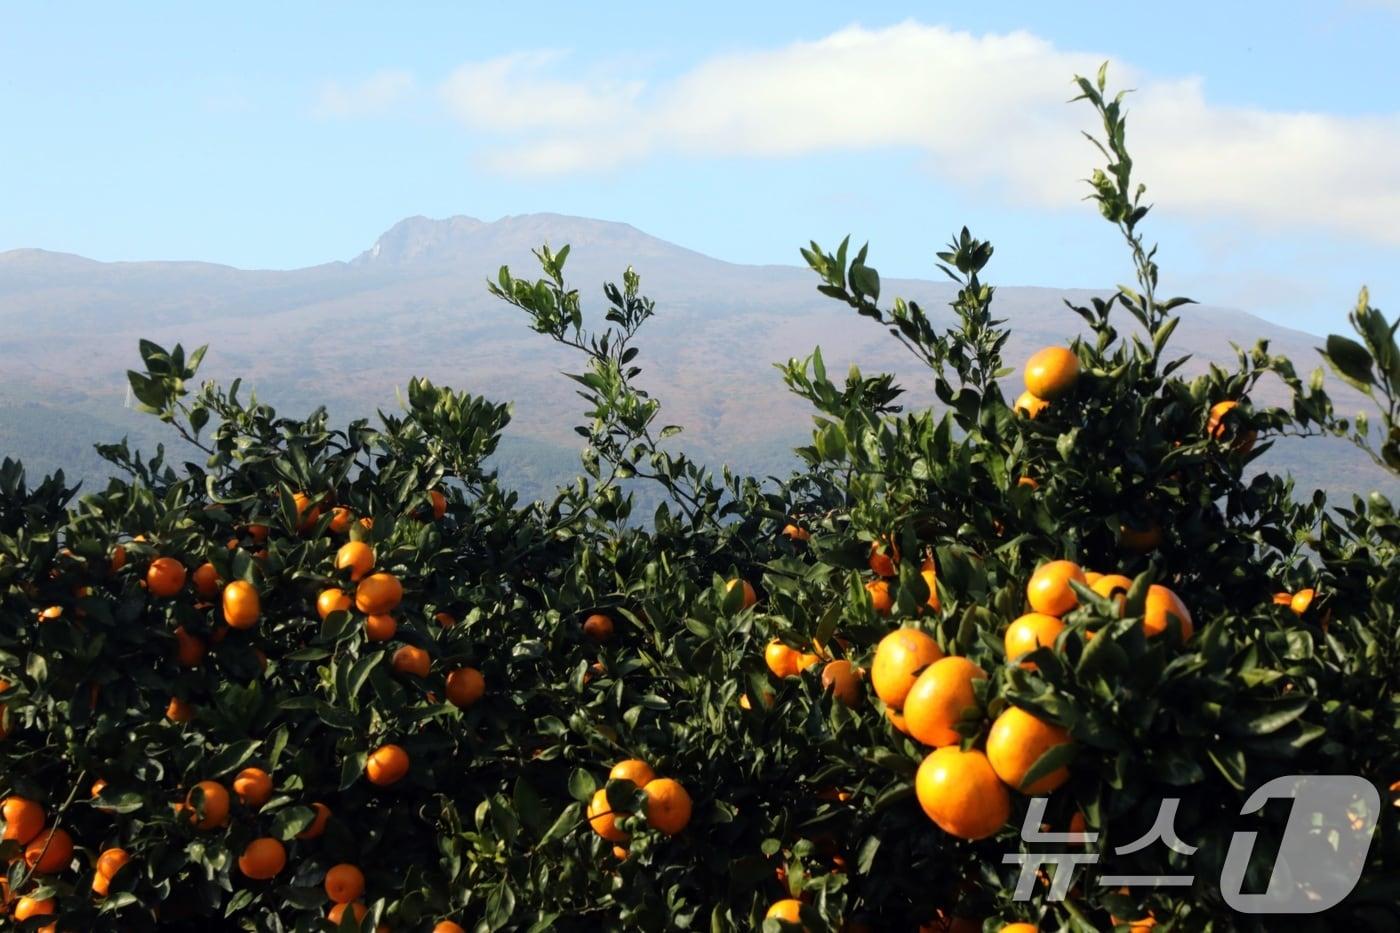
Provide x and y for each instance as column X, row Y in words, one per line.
column 1283, row 599
column 253, row 787
column 357, row 557
column 411, row 660
column 961, row 793
column 332, row 600
column 447, row 926
column 1049, row 591
column 1029, row 405
column 789, row 910
column 378, row 593
column 884, row 558
column 307, row 514
column 344, row 883
column 1140, row 540
column 1302, row 600
column 24, row 819
column 215, row 803
column 263, row 858
column 318, row 825
column 931, row 581
column 337, row 912
column 939, row 697
column 439, row 503
column 49, row 852
column 899, row 658
column 1051, row 372
column 1109, row 585
column 1031, row 631
column 179, row 710
column 1028, row 481
column 380, row 628
column 386, row 765
column 117, row 560
column 206, row 580
column 668, row 805
column 189, row 649
column 50, row 613
column 465, row 686
column 340, row 519
column 241, row 605
column 27, row 907
column 109, row 863
column 750, row 597
column 598, row 627
column 444, row 619
column 1020, row 928
column 1160, row 602
column 781, row 659
column 1016, row 742
column 841, row 679
column 880, row 597
column 1218, row 429
column 602, row 818
column 634, row 770
column 796, row 532
column 165, row 576
column 896, row 719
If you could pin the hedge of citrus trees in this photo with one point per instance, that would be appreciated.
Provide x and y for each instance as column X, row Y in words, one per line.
column 341, row 678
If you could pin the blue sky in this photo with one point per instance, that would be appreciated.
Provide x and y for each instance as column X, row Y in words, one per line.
column 1268, row 132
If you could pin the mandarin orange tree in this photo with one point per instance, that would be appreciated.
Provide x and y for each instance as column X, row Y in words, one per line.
column 318, row 678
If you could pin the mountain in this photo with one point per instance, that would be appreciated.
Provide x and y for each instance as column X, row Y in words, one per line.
column 415, row 303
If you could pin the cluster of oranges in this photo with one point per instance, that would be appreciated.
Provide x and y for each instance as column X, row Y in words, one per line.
column 667, row 810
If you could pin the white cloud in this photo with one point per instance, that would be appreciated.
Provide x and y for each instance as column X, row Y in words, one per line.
column 985, row 109
column 374, row 95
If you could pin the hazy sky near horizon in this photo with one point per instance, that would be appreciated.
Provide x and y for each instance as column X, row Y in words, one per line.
column 278, row 136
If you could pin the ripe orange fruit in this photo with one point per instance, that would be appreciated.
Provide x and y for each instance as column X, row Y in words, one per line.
column 215, row 802
column 939, row 697
column 789, row 910
column 357, row 557
column 1140, row 540
column 241, row 605
column 340, row 519
column 27, row 907
column 1016, row 742
column 380, row 628
column 1051, row 372
column 263, row 858
column 1109, row 585
column 896, row 719
column 841, row 679
column 602, row 818
column 439, row 503
column 50, row 613
column 1283, row 599
column 931, row 581
column 253, row 786
column 1049, row 591
column 337, row 912
column 750, row 597
column 598, row 627
column 411, row 660
column 179, row 710
column 332, row 600
column 899, row 658
column 880, row 597
column 634, row 770
column 1218, row 428
column 109, row 863
column 444, row 619
column 1020, row 928
column 1029, row 405
column 378, row 593
column 961, row 793
column 1031, row 631
column 668, row 805
column 344, row 883
column 1028, row 481
column 117, row 560
column 318, row 824
column 781, row 659
column 307, row 514
column 386, row 765
column 1160, row 602
column 165, row 576
column 465, row 686
column 24, row 819
column 884, row 558
column 189, row 649
column 1302, row 600
column 447, row 926
column 206, row 580
column 796, row 532
column 49, row 852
